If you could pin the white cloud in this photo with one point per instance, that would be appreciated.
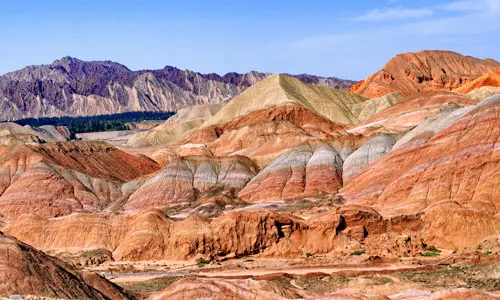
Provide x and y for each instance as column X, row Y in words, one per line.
column 394, row 14
column 444, row 27
column 488, row 6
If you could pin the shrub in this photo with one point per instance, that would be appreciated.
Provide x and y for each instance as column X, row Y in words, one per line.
column 309, row 254
column 202, row 262
column 431, row 251
column 358, row 252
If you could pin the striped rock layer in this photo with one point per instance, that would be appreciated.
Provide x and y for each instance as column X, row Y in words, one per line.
column 408, row 113
column 185, row 179
column 57, row 179
column 370, row 151
column 454, row 173
column 311, row 169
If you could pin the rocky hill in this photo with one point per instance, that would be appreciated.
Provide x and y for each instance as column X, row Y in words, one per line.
column 410, row 73
column 72, row 87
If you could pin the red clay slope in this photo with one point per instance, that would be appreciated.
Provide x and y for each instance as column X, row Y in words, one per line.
column 410, row 73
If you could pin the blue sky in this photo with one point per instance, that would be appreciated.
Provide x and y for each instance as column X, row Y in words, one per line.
column 347, row 39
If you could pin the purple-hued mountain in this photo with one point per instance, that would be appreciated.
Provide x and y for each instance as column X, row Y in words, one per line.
column 72, row 87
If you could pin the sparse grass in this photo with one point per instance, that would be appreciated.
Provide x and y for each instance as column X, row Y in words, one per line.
column 477, row 277
column 152, row 285
column 323, row 284
column 431, row 251
column 471, row 277
column 94, row 253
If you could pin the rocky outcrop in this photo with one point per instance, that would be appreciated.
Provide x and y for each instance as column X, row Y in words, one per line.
column 370, row 151
column 311, row 169
column 408, row 113
column 457, row 163
column 28, row 271
column 185, row 179
column 410, row 73
column 151, row 235
column 73, row 87
column 452, row 226
column 60, row 178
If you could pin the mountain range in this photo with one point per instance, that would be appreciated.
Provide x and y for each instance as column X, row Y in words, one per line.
column 72, row 87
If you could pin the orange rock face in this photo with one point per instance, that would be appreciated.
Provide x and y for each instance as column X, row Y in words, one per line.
column 459, row 163
column 408, row 113
column 151, row 235
column 25, row 270
column 410, row 73
column 488, row 79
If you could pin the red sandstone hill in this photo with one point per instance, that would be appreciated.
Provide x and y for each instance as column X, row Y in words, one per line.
column 56, row 179
column 410, row 73
column 27, row 271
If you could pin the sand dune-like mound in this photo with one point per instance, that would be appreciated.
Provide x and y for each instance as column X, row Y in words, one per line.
column 174, row 129
column 410, row 73
column 262, row 135
column 368, row 108
column 276, row 90
column 370, row 151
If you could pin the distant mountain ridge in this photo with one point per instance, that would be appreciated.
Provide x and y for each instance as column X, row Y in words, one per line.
column 72, row 87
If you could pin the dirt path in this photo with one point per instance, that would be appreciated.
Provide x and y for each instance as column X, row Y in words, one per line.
column 143, row 276
column 315, row 271
column 274, row 272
